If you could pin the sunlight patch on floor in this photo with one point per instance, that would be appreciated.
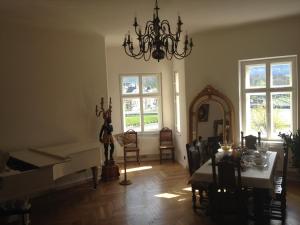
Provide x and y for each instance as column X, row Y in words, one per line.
column 137, row 169
column 166, row 195
column 187, row 189
column 181, row 199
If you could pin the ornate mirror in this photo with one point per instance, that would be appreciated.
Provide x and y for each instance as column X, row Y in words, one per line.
column 211, row 114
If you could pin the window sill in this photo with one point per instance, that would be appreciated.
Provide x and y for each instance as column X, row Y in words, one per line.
column 150, row 133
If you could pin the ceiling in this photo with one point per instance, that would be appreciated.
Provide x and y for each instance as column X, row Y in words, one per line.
column 113, row 18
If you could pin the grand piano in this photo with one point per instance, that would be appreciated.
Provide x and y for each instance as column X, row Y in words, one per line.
column 37, row 169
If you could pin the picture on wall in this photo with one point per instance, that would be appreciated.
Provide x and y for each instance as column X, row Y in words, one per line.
column 203, row 113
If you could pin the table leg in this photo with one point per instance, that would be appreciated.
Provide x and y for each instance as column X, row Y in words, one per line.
column 261, row 197
column 95, row 176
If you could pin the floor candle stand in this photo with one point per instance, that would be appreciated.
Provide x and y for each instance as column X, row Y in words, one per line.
column 125, row 181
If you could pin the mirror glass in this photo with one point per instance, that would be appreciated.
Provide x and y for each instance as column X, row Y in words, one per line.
column 211, row 115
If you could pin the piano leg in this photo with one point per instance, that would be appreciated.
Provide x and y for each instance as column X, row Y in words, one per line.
column 95, row 176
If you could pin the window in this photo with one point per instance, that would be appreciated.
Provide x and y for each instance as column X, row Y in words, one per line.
column 268, row 97
column 141, row 102
column 177, row 102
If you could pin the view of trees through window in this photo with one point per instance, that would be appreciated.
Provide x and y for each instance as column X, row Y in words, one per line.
column 267, row 89
column 141, row 102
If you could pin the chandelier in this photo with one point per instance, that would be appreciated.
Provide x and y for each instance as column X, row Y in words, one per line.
column 157, row 40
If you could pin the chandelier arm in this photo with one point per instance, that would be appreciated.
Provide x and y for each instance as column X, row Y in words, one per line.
column 166, row 23
column 148, row 24
column 172, row 40
column 146, row 40
column 131, row 53
column 128, row 53
column 149, row 29
column 168, row 54
column 147, row 58
column 152, row 31
column 139, row 57
column 183, row 54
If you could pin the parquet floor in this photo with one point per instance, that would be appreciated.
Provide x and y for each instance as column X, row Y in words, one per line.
column 157, row 196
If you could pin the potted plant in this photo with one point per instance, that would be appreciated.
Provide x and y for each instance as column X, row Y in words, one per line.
column 292, row 140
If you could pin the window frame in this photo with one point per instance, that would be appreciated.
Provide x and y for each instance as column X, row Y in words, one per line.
column 176, row 104
column 141, row 96
column 293, row 59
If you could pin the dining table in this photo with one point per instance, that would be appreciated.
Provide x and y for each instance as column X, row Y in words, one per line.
column 259, row 177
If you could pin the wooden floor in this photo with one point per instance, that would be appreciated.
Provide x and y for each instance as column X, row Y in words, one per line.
column 157, row 196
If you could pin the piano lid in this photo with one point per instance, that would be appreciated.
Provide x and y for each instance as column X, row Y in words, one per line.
column 66, row 150
column 36, row 158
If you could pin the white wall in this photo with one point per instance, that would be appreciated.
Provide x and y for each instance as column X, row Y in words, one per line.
column 49, row 84
column 214, row 59
column 119, row 63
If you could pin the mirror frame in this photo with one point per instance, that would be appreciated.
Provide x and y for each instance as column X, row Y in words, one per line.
column 210, row 93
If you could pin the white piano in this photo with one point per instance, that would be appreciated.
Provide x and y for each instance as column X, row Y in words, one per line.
column 41, row 167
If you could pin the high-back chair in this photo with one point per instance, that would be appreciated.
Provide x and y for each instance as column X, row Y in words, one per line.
column 131, row 144
column 277, row 207
column 227, row 196
column 166, row 143
column 250, row 141
column 213, row 143
column 194, row 162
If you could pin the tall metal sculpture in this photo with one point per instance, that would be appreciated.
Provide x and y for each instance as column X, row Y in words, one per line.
column 110, row 170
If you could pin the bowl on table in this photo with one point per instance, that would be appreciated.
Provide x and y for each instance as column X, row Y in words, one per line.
column 262, row 150
column 226, row 147
column 259, row 161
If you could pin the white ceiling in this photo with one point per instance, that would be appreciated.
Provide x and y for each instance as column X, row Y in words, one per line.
column 113, row 18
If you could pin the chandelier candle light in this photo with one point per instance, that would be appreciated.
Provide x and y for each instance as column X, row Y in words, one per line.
column 157, row 40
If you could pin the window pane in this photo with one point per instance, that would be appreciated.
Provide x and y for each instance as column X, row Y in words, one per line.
column 130, row 85
column 256, row 114
column 281, row 75
column 178, row 128
column 151, row 113
column 150, row 84
column 256, row 76
column 132, row 114
column 281, row 113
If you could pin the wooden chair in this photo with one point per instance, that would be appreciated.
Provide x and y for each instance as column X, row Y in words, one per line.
column 166, row 143
column 227, row 196
column 277, row 207
column 213, row 144
column 131, row 144
column 250, row 140
column 23, row 212
column 194, row 163
column 278, row 179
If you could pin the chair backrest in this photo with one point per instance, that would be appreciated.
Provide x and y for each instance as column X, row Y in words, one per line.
column 250, row 140
column 130, row 138
column 228, row 168
column 213, row 144
column 194, row 157
column 285, row 168
column 165, row 136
